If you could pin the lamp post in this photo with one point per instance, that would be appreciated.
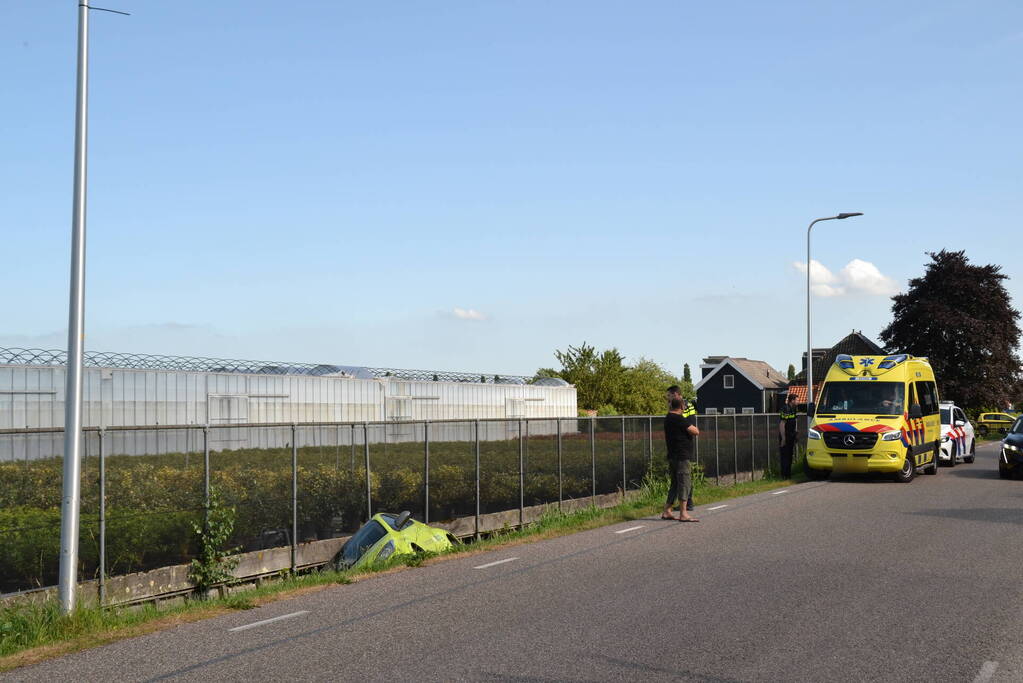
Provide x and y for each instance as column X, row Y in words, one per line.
column 809, row 345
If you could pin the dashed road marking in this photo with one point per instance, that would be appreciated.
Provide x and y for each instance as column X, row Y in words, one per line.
column 986, row 672
column 492, row 564
column 716, row 507
column 631, row 528
column 268, row 621
column 778, row 493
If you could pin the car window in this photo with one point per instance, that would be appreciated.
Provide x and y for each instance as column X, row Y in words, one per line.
column 960, row 415
column 1006, row 418
column 946, row 417
column 1018, row 427
column 928, row 397
column 362, row 541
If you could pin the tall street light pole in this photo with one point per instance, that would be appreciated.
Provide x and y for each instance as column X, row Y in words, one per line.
column 68, row 577
column 809, row 345
column 70, row 498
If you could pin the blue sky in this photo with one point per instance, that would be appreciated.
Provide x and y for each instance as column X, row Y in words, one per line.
column 469, row 186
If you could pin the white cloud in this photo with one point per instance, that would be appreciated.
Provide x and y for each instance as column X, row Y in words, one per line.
column 468, row 314
column 863, row 276
column 857, row 277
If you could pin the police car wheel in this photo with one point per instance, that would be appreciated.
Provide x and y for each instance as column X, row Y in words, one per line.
column 908, row 471
column 973, row 454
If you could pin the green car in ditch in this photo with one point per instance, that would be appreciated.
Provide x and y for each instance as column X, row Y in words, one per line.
column 388, row 535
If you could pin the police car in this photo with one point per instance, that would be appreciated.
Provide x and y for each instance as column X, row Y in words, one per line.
column 957, row 436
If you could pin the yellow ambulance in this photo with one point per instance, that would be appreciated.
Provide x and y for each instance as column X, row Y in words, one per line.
column 876, row 414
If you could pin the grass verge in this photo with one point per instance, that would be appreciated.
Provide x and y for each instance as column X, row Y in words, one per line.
column 32, row 633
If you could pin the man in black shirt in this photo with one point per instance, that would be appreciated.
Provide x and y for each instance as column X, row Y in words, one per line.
column 678, row 437
column 688, row 411
column 787, row 435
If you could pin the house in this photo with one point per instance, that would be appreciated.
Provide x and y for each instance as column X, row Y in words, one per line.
column 737, row 385
column 854, row 344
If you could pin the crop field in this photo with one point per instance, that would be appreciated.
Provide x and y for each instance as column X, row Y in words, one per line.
column 152, row 500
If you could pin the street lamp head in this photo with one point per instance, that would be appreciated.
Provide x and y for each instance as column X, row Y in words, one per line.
column 847, row 215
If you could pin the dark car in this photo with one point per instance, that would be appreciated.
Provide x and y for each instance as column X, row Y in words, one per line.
column 1011, row 460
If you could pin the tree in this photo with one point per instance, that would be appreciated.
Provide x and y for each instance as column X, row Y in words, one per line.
column 605, row 383
column 687, row 375
column 959, row 316
column 792, row 372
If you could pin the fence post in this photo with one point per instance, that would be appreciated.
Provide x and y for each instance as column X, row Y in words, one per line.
column 206, row 473
column 369, row 488
column 426, row 472
column 735, row 448
column 752, row 450
column 294, row 498
column 477, row 480
column 560, row 491
column 353, row 448
column 767, row 465
column 522, row 479
column 717, row 453
column 593, row 461
column 650, row 442
column 102, row 521
column 624, row 481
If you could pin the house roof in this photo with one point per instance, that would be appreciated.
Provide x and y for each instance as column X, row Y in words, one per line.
column 854, row 344
column 759, row 373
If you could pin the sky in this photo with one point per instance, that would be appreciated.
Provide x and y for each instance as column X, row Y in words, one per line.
column 473, row 185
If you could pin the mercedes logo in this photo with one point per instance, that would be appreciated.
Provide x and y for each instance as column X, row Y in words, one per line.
column 849, row 440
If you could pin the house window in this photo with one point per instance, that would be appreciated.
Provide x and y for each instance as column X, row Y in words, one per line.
column 729, row 411
column 711, row 411
column 747, row 411
column 729, row 381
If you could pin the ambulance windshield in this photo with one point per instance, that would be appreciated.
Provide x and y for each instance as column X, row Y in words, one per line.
column 862, row 398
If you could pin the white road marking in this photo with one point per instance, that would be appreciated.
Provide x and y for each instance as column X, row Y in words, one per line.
column 716, row 507
column 631, row 528
column 778, row 493
column 986, row 672
column 491, row 564
column 268, row 621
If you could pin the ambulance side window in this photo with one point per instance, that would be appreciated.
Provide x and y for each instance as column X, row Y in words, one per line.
column 928, row 395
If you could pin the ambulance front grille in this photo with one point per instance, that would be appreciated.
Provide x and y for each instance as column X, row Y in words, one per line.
column 840, row 440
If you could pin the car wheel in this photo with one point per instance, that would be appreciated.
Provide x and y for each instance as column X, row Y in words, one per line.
column 951, row 455
column 973, row 453
column 908, row 471
column 933, row 467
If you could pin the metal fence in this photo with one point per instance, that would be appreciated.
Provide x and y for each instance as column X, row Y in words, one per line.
column 143, row 488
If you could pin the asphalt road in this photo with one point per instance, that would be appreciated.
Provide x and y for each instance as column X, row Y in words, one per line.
column 855, row 579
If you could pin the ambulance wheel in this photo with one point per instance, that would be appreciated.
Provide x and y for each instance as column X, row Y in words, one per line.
column 816, row 475
column 933, row 467
column 908, row 471
column 973, row 454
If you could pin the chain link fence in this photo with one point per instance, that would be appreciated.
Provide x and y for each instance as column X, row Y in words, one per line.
column 142, row 489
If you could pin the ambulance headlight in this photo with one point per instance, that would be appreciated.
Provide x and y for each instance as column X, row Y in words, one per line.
column 813, row 434
column 892, row 436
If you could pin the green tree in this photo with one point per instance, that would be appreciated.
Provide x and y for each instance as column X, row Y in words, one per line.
column 687, row 375
column 960, row 316
column 792, row 372
column 606, row 384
